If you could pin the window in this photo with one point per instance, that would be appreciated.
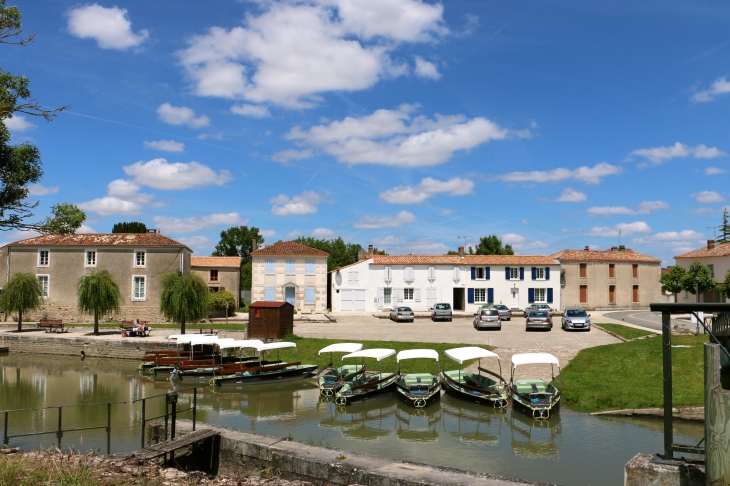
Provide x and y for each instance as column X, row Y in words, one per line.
column 611, row 270
column 140, row 258
column 290, row 267
column 309, row 267
column 480, row 295
column 479, row 273
column 635, row 294
column 540, row 295
column 712, row 270
column 44, row 281
column 407, row 294
column 635, row 269
column 514, row 273
column 353, row 278
column 139, row 287
column 44, row 257
column 309, row 295
column 213, row 290
column 270, row 268
column 409, row 275
column 270, row 294
column 540, row 273
column 686, row 294
column 214, row 275
column 583, row 270
column 611, row 294
column 583, row 294
column 90, row 259
column 387, row 292
column 387, row 274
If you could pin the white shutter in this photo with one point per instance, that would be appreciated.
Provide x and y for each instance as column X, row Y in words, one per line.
column 401, row 295
column 353, row 279
column 387, row 274
column 432, row 273
column 381, row 297
column 417, row 295
column 457, row 274
column 431, row 297
column 408, row 274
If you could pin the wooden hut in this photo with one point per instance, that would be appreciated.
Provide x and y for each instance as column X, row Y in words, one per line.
column 270, row 320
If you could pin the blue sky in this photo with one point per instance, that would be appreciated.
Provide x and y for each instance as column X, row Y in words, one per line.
column 404, row 124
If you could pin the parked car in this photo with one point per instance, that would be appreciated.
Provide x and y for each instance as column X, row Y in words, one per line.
column 487, row 318
column 401, row 314
column 576, row 318
column 441, row 311
column 504, row 311
column 538, row 319
column 534, row 307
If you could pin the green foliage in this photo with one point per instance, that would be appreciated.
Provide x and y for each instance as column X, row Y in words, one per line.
column 626, row 332
column 698, row 278
column 67, row 218
column 218, row 300
column 184, row 298
column 492, row 245
column 238, row 241
column 131, row 227
column 98, row 294
column 724, row 228
column 341, row 253
column 726, row 285
column 674, row 280
column 22, row 293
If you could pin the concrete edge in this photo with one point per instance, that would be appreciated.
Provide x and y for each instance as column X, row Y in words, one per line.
column 695, row 414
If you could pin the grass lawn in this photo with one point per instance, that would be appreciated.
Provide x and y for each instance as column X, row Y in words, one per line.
column 629, row 375
column 625, row 331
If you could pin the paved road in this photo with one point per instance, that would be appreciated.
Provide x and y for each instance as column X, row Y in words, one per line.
column 647, row 319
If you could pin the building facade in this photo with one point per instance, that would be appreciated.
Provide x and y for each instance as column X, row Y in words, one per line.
column 219, row 273
column 618, row 278
column 716, row 256
column 290, row 272
column 465, row 281
column 137, row 262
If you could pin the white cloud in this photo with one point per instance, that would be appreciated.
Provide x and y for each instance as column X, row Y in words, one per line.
column 671, row 238
column 714, row 171
column 18, row 124
column 657, row 155
column 446, row 212
column 707, row 197
column 166, row 145
column 372, row 222
column 521, row 244
column 253, row 111
column 397, row 138
column 417, row 246
column 426, row 188
column 324, row 233
column 625, row 229
column 197, row 223
column 84, row 230
column 267, row 233
column 719, row 87
column 644, row 207
column 512, row 238
column 295, row 50
column 305, row 203
column 294, row 234
column 570, row 195
column 196, row 242
column 160, row 174
column 288, row 155
column 39, row 190
column 589, row 175
column 123, row 197
column 110, row 27
column 181, row 115
column 426, row 69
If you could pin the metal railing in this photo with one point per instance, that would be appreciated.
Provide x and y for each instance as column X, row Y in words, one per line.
column 171, row 410
column 59, row 431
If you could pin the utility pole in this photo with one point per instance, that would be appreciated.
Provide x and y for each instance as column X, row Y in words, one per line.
column 465, row 237
column 619, row 237
column 714, row 231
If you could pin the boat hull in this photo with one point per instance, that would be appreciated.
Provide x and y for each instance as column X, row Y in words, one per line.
column 419, row 401
column 363, row 394
column 536, row 412
column 494, row 400
column 284, row 374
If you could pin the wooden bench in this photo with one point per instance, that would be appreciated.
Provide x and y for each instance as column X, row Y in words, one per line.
column 210, row 331
column 52, row 325
column 132, row 331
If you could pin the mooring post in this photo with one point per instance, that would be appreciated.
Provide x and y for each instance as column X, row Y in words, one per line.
column 143, row 422
column 108, row 429
column 59, row 434
column 5, row 430
column 667, row 355
column 717, row 421
column 195, row 406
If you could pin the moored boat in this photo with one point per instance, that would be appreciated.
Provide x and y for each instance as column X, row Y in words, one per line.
column 331, row 379
column 417, row 389
column 367, row 385
column 535, row 396
column 223, row 365
column 267, row 373
column 475, row 387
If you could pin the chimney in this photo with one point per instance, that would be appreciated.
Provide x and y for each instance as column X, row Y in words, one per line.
column 362, row 255
column 461, row 251
column 621, row 248
column 152, row 231
column 710, row 244
column 370, row 249
column 587, row 248
column 254, row 243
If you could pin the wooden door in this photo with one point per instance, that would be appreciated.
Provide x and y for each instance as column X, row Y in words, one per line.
column 583, row 294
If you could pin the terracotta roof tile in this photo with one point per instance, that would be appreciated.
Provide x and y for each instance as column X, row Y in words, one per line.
column 720, row 250
column 627, row 255
column 466, row 260
column 290, row 248
column 100, row 239
column 267, row 304
column 215, row 261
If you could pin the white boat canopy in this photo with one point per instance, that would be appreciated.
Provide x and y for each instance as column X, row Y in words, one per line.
column 197, row 339
column 279, row 345
column 417, row 353
column 250, row 343
column 375, row 353
column 341, row 348
column 534, row 358
column 470, row 352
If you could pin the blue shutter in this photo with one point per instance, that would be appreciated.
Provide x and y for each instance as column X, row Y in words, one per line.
column 470, row 296
column 486, row 273
column 550, row 296
column 506, row 273
column 522, row 273
column 490, row 295
column 531, row 296
column 270, row 294
column 534, row 273
column 547, row 273
column 473, row 273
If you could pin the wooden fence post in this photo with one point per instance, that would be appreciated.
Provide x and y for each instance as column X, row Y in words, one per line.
column 717, row 421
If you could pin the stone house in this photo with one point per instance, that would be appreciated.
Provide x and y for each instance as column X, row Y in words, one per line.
column 219, row 272
column 716, row 256
column 618, row 278
column 291, row 272
column 137, row 262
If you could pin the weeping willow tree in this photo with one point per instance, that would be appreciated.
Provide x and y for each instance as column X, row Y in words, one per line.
column 184, row 298
column 22, row 293
column 98, row 294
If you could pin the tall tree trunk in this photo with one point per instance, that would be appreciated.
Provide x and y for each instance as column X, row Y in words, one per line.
column 182, row 326
column 20, row 320
column 96, row 323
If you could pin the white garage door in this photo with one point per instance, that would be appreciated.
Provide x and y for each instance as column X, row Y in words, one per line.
column 353, row 300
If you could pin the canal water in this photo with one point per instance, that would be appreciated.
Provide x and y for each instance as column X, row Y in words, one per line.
column 570, row 448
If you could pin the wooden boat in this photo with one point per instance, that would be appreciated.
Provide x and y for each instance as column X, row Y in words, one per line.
column 366, row 385
column 533, row 395
column 331, row 379
column 418, row 389
column 475, row 387
column 223, row 365
column 267, row 373
column 184, row 350
column 211, row 357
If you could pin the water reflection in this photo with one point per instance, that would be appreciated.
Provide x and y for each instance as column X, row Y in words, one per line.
column 360, row 422
column 535, row 438
column 481, row 425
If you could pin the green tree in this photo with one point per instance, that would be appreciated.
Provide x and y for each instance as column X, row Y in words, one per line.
column 222, row 300
column 131, row 227
column 726, row 285
column 674, row 280
column 184, row 298
column 698, row 280
column 22, row 293
column 67, row 218
column 492, row 245
column 238, row 241
column 341, row 253
column 724, row 228
column 98, row 294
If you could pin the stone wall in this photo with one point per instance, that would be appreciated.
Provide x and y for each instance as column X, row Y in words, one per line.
column 70, row 313
column 52, row 344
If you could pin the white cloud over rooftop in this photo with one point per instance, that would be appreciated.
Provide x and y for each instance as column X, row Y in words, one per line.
column 109, row 27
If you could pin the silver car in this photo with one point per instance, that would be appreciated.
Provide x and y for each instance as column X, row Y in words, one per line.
column 401, row 314
column 538, row 319
column 576, row 318
column 538, row 307
column 487, row 318
column 441, row 311
column 504, row 311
